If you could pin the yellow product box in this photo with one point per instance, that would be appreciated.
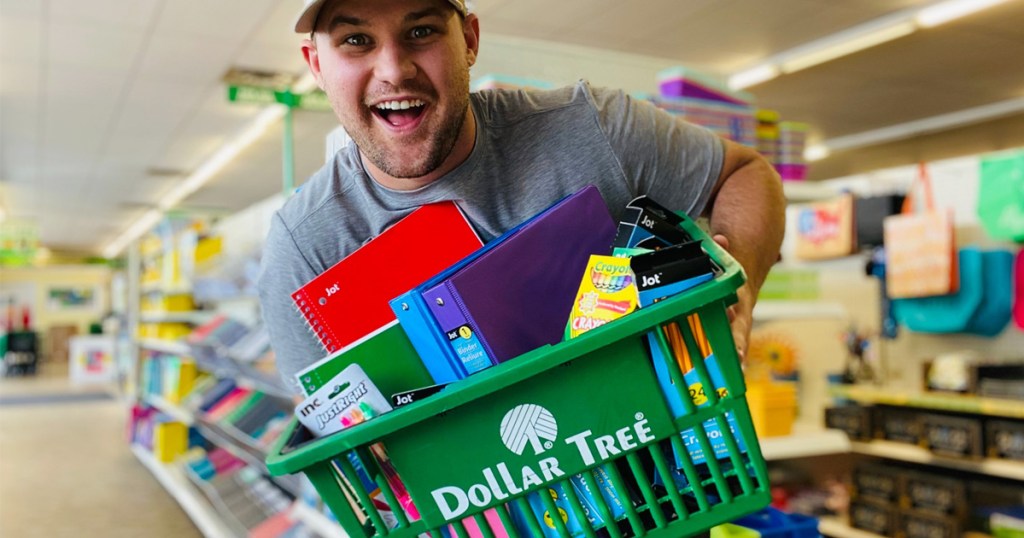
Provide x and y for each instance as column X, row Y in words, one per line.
column 208, row 248
column 179, row 302
column 170, row 440
column 607, row 292
column 186, row 380
column 172, row 331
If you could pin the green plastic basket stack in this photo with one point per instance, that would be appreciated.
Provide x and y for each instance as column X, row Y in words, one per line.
column 603, row 407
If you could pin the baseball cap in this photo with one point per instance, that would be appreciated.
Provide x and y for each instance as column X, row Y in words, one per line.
column 307, row 17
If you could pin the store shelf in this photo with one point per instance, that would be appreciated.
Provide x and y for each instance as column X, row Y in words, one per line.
column 317, row 522
column 242, row 447
column 805, row 444
column 807, row 191
column 175, row 411
column 837, row 528
column 177, row 484
column 782, row 310
column 189, row 316
column 915, row 454
column 177, row 289
column 173, row 347
column 941, row 402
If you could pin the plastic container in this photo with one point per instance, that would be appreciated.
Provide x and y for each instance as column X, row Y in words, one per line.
column 772, row 408
column 594, row 401
column 773, row 523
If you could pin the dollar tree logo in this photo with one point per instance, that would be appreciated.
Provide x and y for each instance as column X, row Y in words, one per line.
column 529, row 424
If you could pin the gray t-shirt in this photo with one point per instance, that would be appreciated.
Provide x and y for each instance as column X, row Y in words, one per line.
column 532, row 149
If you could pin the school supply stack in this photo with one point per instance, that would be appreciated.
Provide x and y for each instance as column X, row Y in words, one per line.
column 701, row 100
column 630, row 426
column 346, row 306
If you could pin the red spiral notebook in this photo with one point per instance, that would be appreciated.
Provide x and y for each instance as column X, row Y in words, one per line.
column 350, row 299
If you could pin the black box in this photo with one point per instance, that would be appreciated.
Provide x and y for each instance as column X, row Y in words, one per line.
column 923, row 525
column 879, row 518
column 952, row 436
column 855, row 420
column 934, row 494
column 875, row 482
column 898, row 424
column 869, row 213
column 1000, row 381
column 1004, row 439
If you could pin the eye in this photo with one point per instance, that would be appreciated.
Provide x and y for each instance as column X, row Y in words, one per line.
column 421, row 32
column 357, row 40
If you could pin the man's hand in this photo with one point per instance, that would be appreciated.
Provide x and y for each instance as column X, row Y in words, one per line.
column 741, row 317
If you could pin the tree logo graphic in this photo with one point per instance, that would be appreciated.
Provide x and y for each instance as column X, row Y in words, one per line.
column 529, row 424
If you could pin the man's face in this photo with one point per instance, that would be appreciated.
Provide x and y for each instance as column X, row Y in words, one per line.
column 397, row 75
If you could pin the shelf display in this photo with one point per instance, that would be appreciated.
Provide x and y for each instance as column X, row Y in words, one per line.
column 209, row 400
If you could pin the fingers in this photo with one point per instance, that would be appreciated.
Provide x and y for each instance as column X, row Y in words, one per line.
column 722, row 241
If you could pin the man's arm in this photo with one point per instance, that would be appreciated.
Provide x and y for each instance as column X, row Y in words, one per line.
column 747, row 216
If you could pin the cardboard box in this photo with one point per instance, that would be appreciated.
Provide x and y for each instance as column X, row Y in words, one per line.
column 58, row 342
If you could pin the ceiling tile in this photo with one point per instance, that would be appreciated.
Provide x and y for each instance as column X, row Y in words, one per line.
column 123, row 14
column 23, row 8
column 172, row 56
column 98, row 47
column 227, row 20
column 21, row 38
column 273, row 57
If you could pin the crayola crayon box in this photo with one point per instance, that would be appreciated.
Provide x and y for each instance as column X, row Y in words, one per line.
column 607, row 292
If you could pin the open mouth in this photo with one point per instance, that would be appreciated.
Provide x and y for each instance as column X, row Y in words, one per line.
column 400, row 114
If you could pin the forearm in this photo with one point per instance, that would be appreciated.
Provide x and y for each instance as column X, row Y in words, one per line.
column 749, row 210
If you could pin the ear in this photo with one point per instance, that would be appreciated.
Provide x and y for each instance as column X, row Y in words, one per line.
column 471, row 32
column 309, row 52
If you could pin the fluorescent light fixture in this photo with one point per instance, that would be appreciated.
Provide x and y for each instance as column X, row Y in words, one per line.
column 816, row 153
column 928, row 125
column 141, row 226
column 954, row 9
column 753, row 76
column 845, row 43
column 197, row 179
column 223, row 156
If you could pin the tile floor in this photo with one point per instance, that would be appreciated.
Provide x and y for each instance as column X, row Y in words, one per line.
column 67, row 471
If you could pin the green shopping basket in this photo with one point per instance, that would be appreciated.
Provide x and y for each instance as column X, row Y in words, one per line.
column 588, row 411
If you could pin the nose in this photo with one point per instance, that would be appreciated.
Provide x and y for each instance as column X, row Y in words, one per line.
column 394, row 65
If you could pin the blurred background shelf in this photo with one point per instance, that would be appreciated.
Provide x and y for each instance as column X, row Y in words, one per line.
column 993, row 407
column 803, row 444
column 915, row 454
column 177, row 484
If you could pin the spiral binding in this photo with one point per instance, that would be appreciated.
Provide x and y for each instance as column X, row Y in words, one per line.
column 309, row 311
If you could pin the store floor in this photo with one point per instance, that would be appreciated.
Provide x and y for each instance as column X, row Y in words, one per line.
column 66, row 470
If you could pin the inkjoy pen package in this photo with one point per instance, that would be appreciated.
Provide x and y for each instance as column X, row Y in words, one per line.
column 697, row 394
column 346, row 400
column 587, row 501
column 607, row 292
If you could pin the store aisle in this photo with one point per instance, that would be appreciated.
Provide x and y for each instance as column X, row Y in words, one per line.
column 66, row 470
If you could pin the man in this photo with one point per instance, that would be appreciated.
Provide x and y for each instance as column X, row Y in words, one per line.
column 396, row 73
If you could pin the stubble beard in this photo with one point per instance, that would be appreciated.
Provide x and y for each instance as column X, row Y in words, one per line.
column 439, row 144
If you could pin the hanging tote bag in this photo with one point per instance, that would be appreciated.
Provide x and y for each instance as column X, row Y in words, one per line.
column 826, row 229
column 920, row 246
column 1001, row 196
column 1018, row 286
column 994, row 313
column 950, row 313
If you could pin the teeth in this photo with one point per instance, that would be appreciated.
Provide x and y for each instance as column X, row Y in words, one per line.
column 400, row 105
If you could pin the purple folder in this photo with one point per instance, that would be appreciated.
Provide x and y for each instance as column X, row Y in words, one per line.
column 517, row 296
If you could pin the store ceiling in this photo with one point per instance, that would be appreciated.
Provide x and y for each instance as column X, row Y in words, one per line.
column 106, row 104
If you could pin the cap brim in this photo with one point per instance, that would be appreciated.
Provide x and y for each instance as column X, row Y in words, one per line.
column 304, row 24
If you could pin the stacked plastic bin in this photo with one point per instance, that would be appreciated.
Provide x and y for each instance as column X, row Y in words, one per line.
column 790, row 157
column 704, row 101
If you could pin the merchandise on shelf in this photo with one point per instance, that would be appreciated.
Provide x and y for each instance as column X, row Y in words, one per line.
column 682, row 82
